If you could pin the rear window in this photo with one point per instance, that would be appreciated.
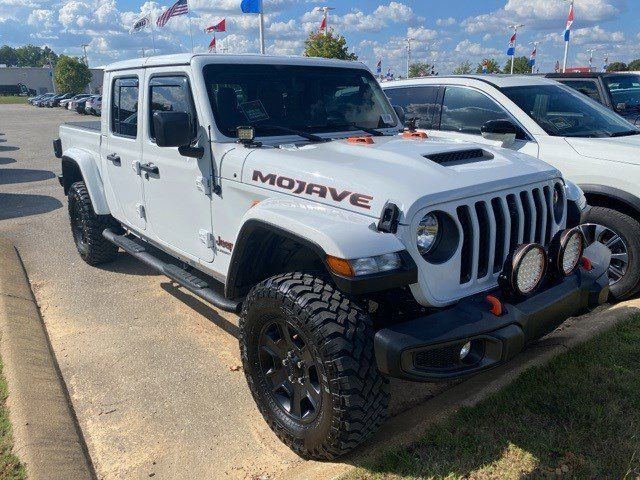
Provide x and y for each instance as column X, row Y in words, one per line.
column 124, row 107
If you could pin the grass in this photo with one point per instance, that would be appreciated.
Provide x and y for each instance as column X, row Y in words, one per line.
column 578, row 417
column 11, row 99
column 10, row 466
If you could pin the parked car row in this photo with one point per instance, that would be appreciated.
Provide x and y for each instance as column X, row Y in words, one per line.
column 82, row 103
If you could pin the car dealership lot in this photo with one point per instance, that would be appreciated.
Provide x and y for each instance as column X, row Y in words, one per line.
column 152, row 371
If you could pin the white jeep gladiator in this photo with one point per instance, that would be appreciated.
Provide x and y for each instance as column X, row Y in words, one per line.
column 285, row 189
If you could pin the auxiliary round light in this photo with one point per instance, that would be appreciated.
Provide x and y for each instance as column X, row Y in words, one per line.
column 569, row 251
column 464, row 351
column 529, row 265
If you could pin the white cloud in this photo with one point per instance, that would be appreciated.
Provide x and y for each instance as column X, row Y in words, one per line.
column 446, row 22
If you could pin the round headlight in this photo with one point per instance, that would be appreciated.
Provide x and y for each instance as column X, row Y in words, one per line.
column 427, row 233
column 570, row 250
column 529, row 265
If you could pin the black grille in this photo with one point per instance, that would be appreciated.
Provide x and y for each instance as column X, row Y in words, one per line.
column 443, row 357
column 485, row 234
column 467, row 244
column 459, row 156
column 501, row 254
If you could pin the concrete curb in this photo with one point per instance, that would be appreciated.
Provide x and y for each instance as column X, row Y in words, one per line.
column 46, row 434
column 410, row 426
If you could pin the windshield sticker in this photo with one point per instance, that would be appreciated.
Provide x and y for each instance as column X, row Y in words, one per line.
column 254, row 111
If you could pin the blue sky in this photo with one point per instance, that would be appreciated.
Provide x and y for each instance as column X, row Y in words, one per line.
column 444, row 32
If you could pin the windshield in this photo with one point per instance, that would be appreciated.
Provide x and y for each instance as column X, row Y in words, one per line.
column 563, row 112
column 310, row 99
column 625, row 91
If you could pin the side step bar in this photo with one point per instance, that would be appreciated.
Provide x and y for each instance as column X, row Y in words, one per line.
column 195, row 285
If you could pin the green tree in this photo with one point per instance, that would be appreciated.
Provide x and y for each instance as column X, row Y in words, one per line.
column 420, row 69
column 8, row 56
column 492, row 66
column 634, row 65
column 27, row 56
column 520, row 66
column 463, row 69
column 71, row 75
column 327, row 45
column 617, row 67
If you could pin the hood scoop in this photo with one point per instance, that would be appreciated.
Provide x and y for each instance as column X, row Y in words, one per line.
column 460, row 157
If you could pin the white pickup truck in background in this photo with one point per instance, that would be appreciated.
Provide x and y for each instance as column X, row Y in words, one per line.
column 592, row 146
column 284, row 189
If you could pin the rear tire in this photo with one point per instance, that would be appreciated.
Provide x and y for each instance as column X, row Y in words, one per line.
column 87, row 227
column 624, row 272
column 300, row 338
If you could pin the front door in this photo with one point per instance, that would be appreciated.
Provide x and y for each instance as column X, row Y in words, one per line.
column 121, row 150
column 178, row 194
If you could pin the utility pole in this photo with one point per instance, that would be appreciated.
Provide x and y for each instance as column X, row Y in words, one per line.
column 515, row 41
column 408, row 40
column 591, row 50
column 84, row 48
column 325, row 19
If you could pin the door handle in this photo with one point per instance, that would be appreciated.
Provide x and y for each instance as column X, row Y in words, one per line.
column 150, row 168
column 115, row 159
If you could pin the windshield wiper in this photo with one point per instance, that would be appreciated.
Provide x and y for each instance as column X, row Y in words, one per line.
column 293, row 131
column 372, row 131
column 628, row 133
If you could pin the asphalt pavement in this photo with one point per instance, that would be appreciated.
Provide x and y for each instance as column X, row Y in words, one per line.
column 151, row 370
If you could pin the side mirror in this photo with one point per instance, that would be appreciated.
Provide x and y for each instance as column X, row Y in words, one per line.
column 500, row 130
column 400, row 113
column 172, row 129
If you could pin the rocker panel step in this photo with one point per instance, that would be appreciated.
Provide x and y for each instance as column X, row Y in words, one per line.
column 194, row 284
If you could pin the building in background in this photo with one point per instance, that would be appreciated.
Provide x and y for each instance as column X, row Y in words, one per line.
column 41, row 79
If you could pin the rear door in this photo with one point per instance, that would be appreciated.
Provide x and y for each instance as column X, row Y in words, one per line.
column 178, row 195
column 122, row 147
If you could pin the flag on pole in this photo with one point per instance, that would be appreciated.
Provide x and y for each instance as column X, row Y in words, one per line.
column 219, row 27
column 212, row 44
column 251, row 6
column 179, row 8
column 141, row 24
column 532, row 58
column 323, row 25
column 379, row 67
column 567, row 30
column 485, row 67
column 557, row 66
column 606, row 63
column 512, row 45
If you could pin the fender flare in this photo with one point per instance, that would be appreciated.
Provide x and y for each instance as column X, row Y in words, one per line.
column 86, row 163
column 311, row 225
column 621, row 196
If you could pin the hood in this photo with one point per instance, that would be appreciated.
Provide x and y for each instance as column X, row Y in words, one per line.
column 618, row 149
column 363, row 177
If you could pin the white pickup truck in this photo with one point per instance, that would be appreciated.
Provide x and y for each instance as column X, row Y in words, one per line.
column 285, row 189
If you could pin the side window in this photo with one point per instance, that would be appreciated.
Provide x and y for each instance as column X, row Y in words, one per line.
column 465, row 110
column 124, row 107
column 418, row 102
column 586, row 87
column 171, row 94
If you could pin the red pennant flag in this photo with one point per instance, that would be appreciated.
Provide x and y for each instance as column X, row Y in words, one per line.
column 220, row 27
column 212, row 44
column 323, row 25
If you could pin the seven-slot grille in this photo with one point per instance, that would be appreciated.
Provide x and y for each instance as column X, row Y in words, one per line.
column 523, row 216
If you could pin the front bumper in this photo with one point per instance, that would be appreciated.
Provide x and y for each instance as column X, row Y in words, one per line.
column 427, row 348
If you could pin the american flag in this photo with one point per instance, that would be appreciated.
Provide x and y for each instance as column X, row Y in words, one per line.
column 178, row 8
column 140, row 24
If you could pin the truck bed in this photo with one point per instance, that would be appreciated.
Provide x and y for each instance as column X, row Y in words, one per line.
column 86, row 125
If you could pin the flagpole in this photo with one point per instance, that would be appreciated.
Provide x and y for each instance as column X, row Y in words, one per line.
column 262, row 49
column 515, row 41
column 190, row 32
column 566, row 46
column 153, row 40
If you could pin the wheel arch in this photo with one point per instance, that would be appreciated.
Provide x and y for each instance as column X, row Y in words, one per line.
column 81, row 166
column 611, row 197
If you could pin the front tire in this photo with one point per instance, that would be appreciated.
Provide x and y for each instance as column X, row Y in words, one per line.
column 307, row 353
column 621, row 234
column 87, row 227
